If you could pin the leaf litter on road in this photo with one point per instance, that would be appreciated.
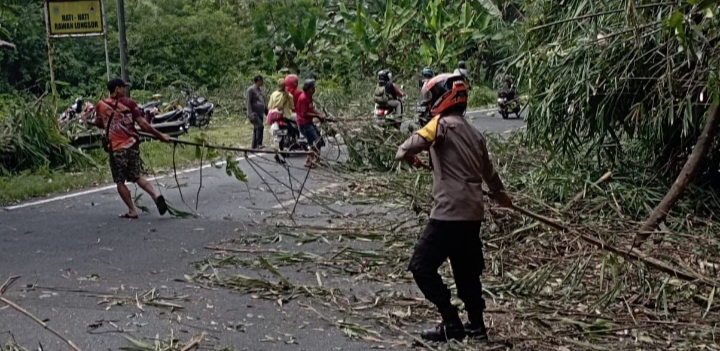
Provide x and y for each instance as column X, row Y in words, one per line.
column 546, row 289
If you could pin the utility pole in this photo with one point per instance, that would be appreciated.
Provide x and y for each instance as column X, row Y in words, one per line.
column 123, row 43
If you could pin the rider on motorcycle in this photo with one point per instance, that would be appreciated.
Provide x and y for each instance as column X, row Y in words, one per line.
column 427, row 74
column 387, row 94
column 507, row 86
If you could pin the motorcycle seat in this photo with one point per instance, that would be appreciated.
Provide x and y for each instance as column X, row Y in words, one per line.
column 203, row 108
column 149, row 105
column 166, row 117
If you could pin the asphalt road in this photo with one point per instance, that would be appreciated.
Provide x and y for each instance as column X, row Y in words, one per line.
column 73, row 247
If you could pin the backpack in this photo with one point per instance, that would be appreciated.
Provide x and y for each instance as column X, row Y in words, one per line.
column 381, row 97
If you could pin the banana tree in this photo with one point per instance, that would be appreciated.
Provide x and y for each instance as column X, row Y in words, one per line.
column 377, row 38
column 450, row 36
column 285, row 30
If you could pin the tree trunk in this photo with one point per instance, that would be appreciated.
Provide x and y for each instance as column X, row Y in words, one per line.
column 686, row 176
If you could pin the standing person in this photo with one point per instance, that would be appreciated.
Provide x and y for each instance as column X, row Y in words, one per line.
column 306, row 112
column 117, row 116
column 461, row 164
column 281, row 103
column 256, row 110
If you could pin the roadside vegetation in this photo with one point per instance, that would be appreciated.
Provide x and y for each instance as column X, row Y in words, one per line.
column 620, row 147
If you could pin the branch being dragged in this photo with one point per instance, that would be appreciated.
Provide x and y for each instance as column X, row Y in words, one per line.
column 632, row 253
column 229, row 148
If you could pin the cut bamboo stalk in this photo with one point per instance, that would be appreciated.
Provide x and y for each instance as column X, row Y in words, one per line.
column 690, row 169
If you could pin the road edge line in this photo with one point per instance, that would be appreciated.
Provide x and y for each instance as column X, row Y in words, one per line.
column 109, row 187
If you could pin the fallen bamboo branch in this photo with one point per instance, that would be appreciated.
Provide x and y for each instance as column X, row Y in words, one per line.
column 230, row 148
column 7, row 283
column 195, row 341
column 250, row 251
column 415, row 338
column 40, row 322
column 633, row 253
column 690, row 169
column 581, row 194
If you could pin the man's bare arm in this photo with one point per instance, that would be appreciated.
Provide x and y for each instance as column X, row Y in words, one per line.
column 146, row 127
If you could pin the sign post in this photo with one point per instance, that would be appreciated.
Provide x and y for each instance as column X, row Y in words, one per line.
column 74, row 18
column 107, row 55
column 123, row 43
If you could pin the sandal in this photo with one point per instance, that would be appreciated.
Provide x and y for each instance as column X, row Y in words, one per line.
column 161, row 205
column 128, row 216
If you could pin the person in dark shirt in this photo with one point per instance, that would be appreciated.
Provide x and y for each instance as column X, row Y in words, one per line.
column 256, row 110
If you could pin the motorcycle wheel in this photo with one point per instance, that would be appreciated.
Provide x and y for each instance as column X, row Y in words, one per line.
column 186, row 125
column 516, row 111
column 504, row 113
column 204, row 122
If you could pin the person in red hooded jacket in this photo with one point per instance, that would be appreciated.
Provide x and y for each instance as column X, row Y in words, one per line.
column 291, row 85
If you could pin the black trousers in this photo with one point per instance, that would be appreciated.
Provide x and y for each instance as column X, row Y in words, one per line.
column 460, row 242
column 258, row 131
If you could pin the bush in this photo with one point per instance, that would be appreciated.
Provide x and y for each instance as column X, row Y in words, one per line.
column 482, row 96
column 30, row 140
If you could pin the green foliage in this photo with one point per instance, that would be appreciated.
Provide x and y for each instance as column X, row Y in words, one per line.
column 202, row 50
column 214, row 43
column 623, row 79
column 482, row 96
column 30, row 140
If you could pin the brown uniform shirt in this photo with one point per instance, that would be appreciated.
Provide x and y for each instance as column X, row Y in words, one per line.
column 460, row 164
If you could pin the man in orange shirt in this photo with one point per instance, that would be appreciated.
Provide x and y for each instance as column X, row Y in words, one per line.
column 117, row 116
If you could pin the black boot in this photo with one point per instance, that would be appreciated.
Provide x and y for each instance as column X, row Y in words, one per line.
column 451, row 328
column 475, row 328
column 476, row 331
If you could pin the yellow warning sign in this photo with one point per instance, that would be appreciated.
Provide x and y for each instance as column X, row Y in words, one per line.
column 74, row 17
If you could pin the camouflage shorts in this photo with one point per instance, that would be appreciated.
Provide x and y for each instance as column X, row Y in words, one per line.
column 126, row 165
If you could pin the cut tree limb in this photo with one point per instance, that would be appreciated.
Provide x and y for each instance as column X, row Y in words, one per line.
column 581, row 194
column 40, row 322
column 632, row 254
column 687, row 174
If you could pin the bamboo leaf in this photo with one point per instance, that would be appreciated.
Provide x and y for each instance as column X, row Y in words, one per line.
column 488, row 6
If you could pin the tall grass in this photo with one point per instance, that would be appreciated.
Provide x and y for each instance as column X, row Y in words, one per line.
column 30, row 140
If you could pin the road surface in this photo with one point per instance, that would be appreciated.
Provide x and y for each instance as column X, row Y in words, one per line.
column 72, row 248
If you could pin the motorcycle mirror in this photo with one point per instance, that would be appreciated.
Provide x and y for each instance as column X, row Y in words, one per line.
column 402, row 87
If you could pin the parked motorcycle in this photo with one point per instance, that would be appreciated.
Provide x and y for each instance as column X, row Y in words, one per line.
column 79, row 108
column 166, row 118
column 508, row 102
column 287, row 135
column 198, row 110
